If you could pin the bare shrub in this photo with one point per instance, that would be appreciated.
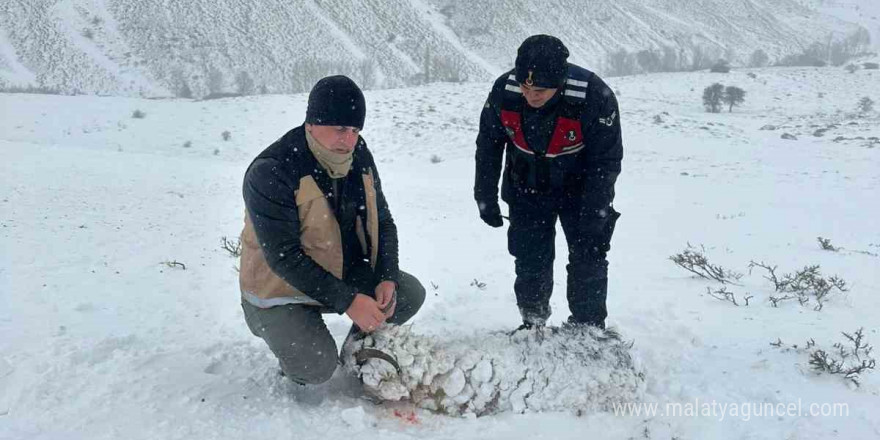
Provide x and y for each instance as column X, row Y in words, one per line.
column 850, row 359
column 230, row 246
column 825, row 244
column 803, row 285
column 174, row 264
column 725, row 295
column 137, row 114
column 865, row 105
column 721, row 66
column 694, row 260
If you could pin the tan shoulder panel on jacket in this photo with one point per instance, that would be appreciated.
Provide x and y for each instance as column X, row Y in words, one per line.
column 320, row 236
column 308, row 191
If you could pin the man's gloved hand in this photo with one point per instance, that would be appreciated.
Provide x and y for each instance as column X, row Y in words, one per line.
column 490, row 212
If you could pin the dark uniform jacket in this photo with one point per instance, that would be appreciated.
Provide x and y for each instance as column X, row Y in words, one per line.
column 570, row 147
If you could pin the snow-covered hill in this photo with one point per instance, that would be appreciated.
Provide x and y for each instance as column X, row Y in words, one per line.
column 100, row 339
column 153, row 47
column 864, row 13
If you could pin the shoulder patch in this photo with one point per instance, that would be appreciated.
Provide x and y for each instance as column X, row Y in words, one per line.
column 609, row 121
column 575, row 90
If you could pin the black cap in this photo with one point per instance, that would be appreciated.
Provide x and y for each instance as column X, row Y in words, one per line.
column 336, row 100
column 541, row 62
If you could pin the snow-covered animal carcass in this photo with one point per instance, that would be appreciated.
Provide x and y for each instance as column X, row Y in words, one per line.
column 549, row 369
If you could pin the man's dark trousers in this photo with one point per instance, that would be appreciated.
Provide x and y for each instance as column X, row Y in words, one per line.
column 531, row 238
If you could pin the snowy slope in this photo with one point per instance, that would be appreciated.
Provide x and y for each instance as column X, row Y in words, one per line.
column 729, row 29
column 865, row 14
column 146, row 47
column 101, row 340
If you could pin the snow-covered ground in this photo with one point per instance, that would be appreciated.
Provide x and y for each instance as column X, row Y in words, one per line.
column 100, row 339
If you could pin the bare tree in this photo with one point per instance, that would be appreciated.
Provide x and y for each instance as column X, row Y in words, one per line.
column 670, row 62
column 426, row 70
column 649, row 60
column 448, row 69
column 621, row 63
column 759, row 58
column 180, row 85
column 244, row 84
column 853, row 45
column 701, row 59
column 367, row 71
column 712, row 97
column 307, row 71
column 733, row 96
column 214, row 81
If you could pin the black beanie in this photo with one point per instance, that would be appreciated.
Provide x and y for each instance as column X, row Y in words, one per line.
column 541, row 62
column 336, row 100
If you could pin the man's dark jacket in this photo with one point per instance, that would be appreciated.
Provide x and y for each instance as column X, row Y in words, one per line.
column 271, row 186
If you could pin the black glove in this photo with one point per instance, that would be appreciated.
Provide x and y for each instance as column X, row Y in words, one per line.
column 490, row 212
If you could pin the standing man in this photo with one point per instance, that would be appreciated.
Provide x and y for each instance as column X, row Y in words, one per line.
column 560, row 126
column 319, row 237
